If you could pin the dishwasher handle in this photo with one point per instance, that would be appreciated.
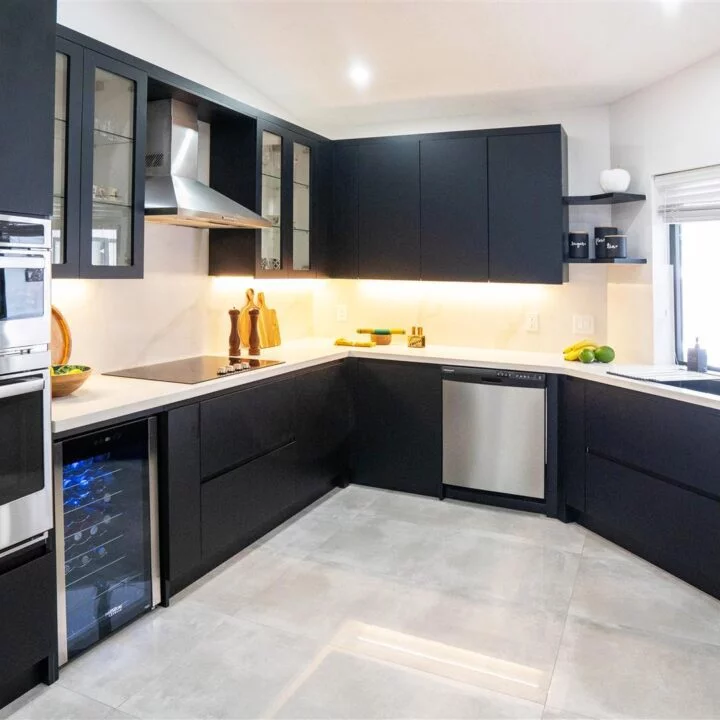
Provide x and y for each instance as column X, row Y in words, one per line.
column 494, row 376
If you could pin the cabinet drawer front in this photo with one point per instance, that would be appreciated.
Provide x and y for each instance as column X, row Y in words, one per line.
column 670, row 438
column 243, row 504
column 28, row 617
column 676, row 529
column 238, row 427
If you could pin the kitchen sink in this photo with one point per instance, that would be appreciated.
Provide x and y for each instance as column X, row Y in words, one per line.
column 711, row 385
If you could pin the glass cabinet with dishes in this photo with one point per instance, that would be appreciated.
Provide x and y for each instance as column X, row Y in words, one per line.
column 286, row 187
column 98, row 188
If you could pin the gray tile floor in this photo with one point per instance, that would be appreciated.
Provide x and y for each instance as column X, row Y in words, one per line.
column 381, row 605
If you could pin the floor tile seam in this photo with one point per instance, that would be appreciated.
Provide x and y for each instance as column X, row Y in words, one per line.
column 689, row 643
column 562, row 635
column 85, row 696
column 450, row 681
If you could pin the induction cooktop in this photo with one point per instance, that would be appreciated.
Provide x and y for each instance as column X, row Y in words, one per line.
column 196, row 369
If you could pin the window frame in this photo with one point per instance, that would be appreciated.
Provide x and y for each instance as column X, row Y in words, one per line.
column 675, row 236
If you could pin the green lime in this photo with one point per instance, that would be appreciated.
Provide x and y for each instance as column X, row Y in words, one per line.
column 587, row 356
column 605, row 354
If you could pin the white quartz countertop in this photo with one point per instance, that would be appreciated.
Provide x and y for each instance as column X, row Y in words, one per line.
column 104, row 399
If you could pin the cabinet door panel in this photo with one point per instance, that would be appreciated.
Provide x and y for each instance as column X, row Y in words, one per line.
column 342, row 248
column 245, row 503
column 27, row 82
column 676, row 529
column 399, row 426
column 180, row 493
column 454, row 209
column 527, row 217
column 238, row 427
column 389, row 210
column 669, row 438
column 572, row 441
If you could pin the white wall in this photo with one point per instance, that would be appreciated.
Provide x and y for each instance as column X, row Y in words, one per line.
column 669, row 126
column 133, row 27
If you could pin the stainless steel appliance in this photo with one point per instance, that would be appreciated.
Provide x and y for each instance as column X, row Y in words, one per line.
column 173, row 194
column 25, row 452
column 106, row 510
column 196, row 369
column 494, row 431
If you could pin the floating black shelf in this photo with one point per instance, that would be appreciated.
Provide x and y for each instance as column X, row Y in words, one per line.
column 603, row 199
column 608, row 261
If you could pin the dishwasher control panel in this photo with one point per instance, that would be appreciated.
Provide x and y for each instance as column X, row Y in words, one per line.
column 494, row 376
column 518, row 375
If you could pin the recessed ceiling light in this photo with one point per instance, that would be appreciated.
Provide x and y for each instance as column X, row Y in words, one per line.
column 359, row 75
column 671, row 7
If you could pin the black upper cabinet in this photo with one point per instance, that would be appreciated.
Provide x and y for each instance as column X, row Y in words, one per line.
column 454, row 209
column 27, row 60
column 389, row 209
column 527, row 221
column 99, row 168
column 342, row 247
column 279, row 174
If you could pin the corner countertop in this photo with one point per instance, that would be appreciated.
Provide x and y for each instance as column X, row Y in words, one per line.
column 104, row 399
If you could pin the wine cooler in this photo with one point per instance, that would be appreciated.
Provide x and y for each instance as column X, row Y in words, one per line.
column 106, row 511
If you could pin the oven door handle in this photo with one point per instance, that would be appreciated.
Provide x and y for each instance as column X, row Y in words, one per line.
column 24, row 387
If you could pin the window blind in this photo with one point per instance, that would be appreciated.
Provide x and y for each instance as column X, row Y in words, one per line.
column 690, row 196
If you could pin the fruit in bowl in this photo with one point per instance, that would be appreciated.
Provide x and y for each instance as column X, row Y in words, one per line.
column 66, row 379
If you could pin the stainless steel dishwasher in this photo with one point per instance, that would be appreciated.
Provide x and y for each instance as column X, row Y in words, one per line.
column 494, row 430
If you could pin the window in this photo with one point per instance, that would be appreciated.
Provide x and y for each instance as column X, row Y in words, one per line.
column 695, row 251
column 690, row 205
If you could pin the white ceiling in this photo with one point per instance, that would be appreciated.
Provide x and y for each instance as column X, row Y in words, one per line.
column 446, row 58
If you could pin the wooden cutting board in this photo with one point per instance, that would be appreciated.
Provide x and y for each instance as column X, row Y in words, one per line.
column 269, row 325
column 61, row 340
column 244, row 320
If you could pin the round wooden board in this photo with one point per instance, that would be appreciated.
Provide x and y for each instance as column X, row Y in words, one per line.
column 60, row 338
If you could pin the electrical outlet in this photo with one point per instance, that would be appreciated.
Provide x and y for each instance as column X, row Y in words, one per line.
column 583, row 325
column 341, row 313
column 532, row 323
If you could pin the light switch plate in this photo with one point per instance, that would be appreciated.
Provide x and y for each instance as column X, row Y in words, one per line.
column 583, row 324
column 532, row 322
column 341, row 313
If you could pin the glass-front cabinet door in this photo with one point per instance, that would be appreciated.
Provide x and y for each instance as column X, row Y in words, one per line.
column 271, row 196
column 286, row 199
column 66, row 171
column 302, row 164
column 99, row 168
column 113, row 182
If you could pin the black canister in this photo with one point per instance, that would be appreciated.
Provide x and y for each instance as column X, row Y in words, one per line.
column 578, row 245
column 616, row 246
column 600, row 234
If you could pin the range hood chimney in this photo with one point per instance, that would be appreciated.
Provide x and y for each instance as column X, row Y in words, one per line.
column 173, row 194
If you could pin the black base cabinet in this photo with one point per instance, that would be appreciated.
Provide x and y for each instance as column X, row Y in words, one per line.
column 399, row 426
column 28, row 621
column 571, row 433
column 235, row 466
column 674, row 528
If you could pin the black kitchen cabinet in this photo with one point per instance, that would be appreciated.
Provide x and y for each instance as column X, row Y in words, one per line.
column 399, row 426
column 28, row 622
column 179, row 496
column 99, row 167
column 572, row 441
column 675, row 528
column 668, row 438
column 454, row 209
column 527, row 219
column 389, row 209
column 342, row 247
column 324, row 411
column 27, row 61
column 282, row 175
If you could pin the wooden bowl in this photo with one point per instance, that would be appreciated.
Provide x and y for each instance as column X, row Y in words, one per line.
column 63, row 385
column 381, row 339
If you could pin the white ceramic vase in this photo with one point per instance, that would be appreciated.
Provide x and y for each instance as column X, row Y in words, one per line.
column 616, row 180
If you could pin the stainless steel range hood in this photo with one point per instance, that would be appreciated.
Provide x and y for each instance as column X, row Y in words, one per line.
column 173, row 194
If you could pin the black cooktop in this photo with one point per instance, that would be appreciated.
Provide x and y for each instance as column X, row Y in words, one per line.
column 195, row 370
